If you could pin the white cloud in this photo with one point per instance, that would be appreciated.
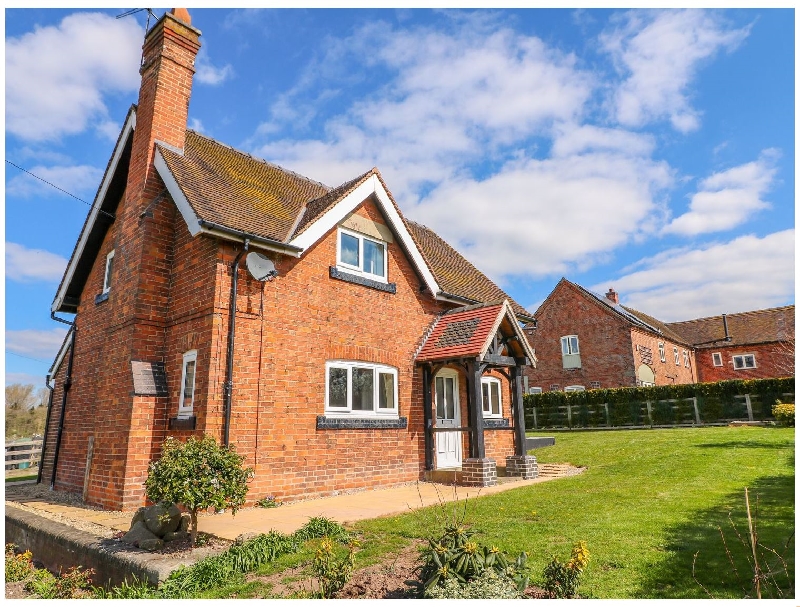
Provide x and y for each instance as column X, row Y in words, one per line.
column 727, row 198
column 56, row 76
column 573, row 139
column 540, row 217
column 80, row 181
column 207, row 73
column 25, row 378
column 35, row 343
column 31, row 265
column 747, row 273
column 660, row 53
column 449, row 98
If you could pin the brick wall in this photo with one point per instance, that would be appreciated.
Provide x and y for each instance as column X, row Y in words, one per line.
column 772, row 360
column 645, row 347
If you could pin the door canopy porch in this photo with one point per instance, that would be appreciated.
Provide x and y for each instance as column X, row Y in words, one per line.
column 476, row 338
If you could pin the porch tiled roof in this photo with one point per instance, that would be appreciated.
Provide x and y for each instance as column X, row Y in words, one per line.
column 745, row 328
column 462, row 332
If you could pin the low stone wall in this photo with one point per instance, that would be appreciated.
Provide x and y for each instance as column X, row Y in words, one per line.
column 59, row 547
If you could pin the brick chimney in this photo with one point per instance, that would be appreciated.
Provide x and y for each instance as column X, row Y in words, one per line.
column 613, row 296
column 167, row 70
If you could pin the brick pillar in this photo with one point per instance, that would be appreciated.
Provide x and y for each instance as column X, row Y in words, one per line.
column 522, row 465
column 479, row 472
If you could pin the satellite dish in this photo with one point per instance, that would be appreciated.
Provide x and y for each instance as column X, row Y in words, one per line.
column 260, row 266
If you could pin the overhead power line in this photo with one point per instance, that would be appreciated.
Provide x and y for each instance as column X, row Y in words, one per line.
column 38, row 360
column 58, row 188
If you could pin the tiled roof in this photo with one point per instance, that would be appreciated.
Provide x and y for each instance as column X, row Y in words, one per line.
column 233, row 189
column 317, row 207
column 455, row 275
column 462, row 332
column 664, row 328
column 758, row 326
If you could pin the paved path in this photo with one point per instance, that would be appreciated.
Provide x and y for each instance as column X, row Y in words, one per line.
column 290, row 517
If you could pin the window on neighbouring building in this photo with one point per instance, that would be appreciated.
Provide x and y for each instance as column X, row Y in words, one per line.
column 570, row 352
column 685, row 359
column 594, row 385
column 362, row 255
column 186, row 402
column 554, row 387
column 744, row 361
column 677, row 356
column 492, row 402
column 662, row 353
column 108, row 274
column 534, row 390
column 356, row 388
column 574, row 389
column 716, row 358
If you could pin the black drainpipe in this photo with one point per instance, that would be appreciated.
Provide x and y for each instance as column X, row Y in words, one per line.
column 228, row 387
column 46, row 428
column 67, row 386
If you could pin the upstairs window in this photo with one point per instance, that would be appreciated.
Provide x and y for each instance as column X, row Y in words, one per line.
column 662, row 352
column 570, row 352
column 534, row 390
column 574, row 389
column 744, row 361
column 685, row 359
column 108, row 273
column 716, row 358
column 186, row 402
column 677, row 356
column 362, row 255
column 492, row 403
column 361, row 389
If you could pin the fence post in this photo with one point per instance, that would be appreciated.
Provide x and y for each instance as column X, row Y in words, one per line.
column 608, row 418
column 535, row 422
column 649, row 412
column 749, row 407
column 569, row 415
column 696, row 410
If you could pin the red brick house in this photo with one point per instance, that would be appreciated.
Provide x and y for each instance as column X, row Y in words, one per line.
column 747, row 345
column 337, row 344
column 585, row 340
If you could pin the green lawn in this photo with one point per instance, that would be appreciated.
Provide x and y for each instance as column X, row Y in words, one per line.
column 649, row 501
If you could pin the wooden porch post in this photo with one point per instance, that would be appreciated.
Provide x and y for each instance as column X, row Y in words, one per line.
column 427, row 409
column 518, row 410
column 474, row 410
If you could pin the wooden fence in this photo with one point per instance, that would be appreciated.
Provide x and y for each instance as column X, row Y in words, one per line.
column 23, row 454
column 694, row 411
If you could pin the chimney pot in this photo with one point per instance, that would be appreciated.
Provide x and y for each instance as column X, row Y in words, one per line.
column 182, row 14
column 613, row 296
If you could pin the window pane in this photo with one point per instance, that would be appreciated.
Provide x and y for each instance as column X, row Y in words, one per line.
column 349, row 249
column 564, row 346
column 373, row 257
column 449, row 384
column 363, row 390
column 109, row 268
column 188, row 385
column 337, row 387
column 486, row 404
column 749, row 361
column 386, row 391
column 495, row 388
column 573, row 342
column 440, row 397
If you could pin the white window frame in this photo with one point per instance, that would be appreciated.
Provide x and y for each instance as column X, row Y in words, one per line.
column 359, row 269
column 488, row 381
column 716, row 359
column 534, row 390
column 347, row 410
column 741, row 366
column 686, row 359
column 677, row 355
column 184, row 411
column 594, row 385
column 575, row 388
column 566, row 345
column 106, row 275
column 662, row 352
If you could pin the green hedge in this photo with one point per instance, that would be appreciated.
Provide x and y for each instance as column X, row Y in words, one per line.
column 669, row 405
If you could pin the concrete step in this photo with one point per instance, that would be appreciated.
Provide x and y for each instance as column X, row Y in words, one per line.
column 553, row 469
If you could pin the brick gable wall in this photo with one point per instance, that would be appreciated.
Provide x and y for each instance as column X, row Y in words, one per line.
column 772, row 360
column 667, row 372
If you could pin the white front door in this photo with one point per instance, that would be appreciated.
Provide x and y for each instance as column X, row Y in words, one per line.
column 448, row 415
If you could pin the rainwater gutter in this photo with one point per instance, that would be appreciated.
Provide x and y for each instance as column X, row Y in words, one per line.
column 228, row 386
column 46, row 427
column 67, row 386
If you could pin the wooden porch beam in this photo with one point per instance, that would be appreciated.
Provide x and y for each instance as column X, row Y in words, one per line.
column 427, row 408
column 518, row 411
column 477, row 448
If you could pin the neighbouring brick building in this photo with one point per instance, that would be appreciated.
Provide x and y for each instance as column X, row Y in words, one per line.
column 584, row 340
column 747, row 345
column 362, row 349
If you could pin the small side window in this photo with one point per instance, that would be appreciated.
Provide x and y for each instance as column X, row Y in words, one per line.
column 186, row 402
column 109, row 272
column 716, row 358
column 677, row 356
column 662, row 353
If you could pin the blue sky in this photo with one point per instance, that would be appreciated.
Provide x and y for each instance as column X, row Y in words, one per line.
column 648, row 151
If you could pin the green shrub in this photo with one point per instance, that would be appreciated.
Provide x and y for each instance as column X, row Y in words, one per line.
column 18, row 566
column 783, row 413
column 75, row 583
column 561, row 579
column 135, row 589
column 198, row 474
column 488, row 585
column 332, row 573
